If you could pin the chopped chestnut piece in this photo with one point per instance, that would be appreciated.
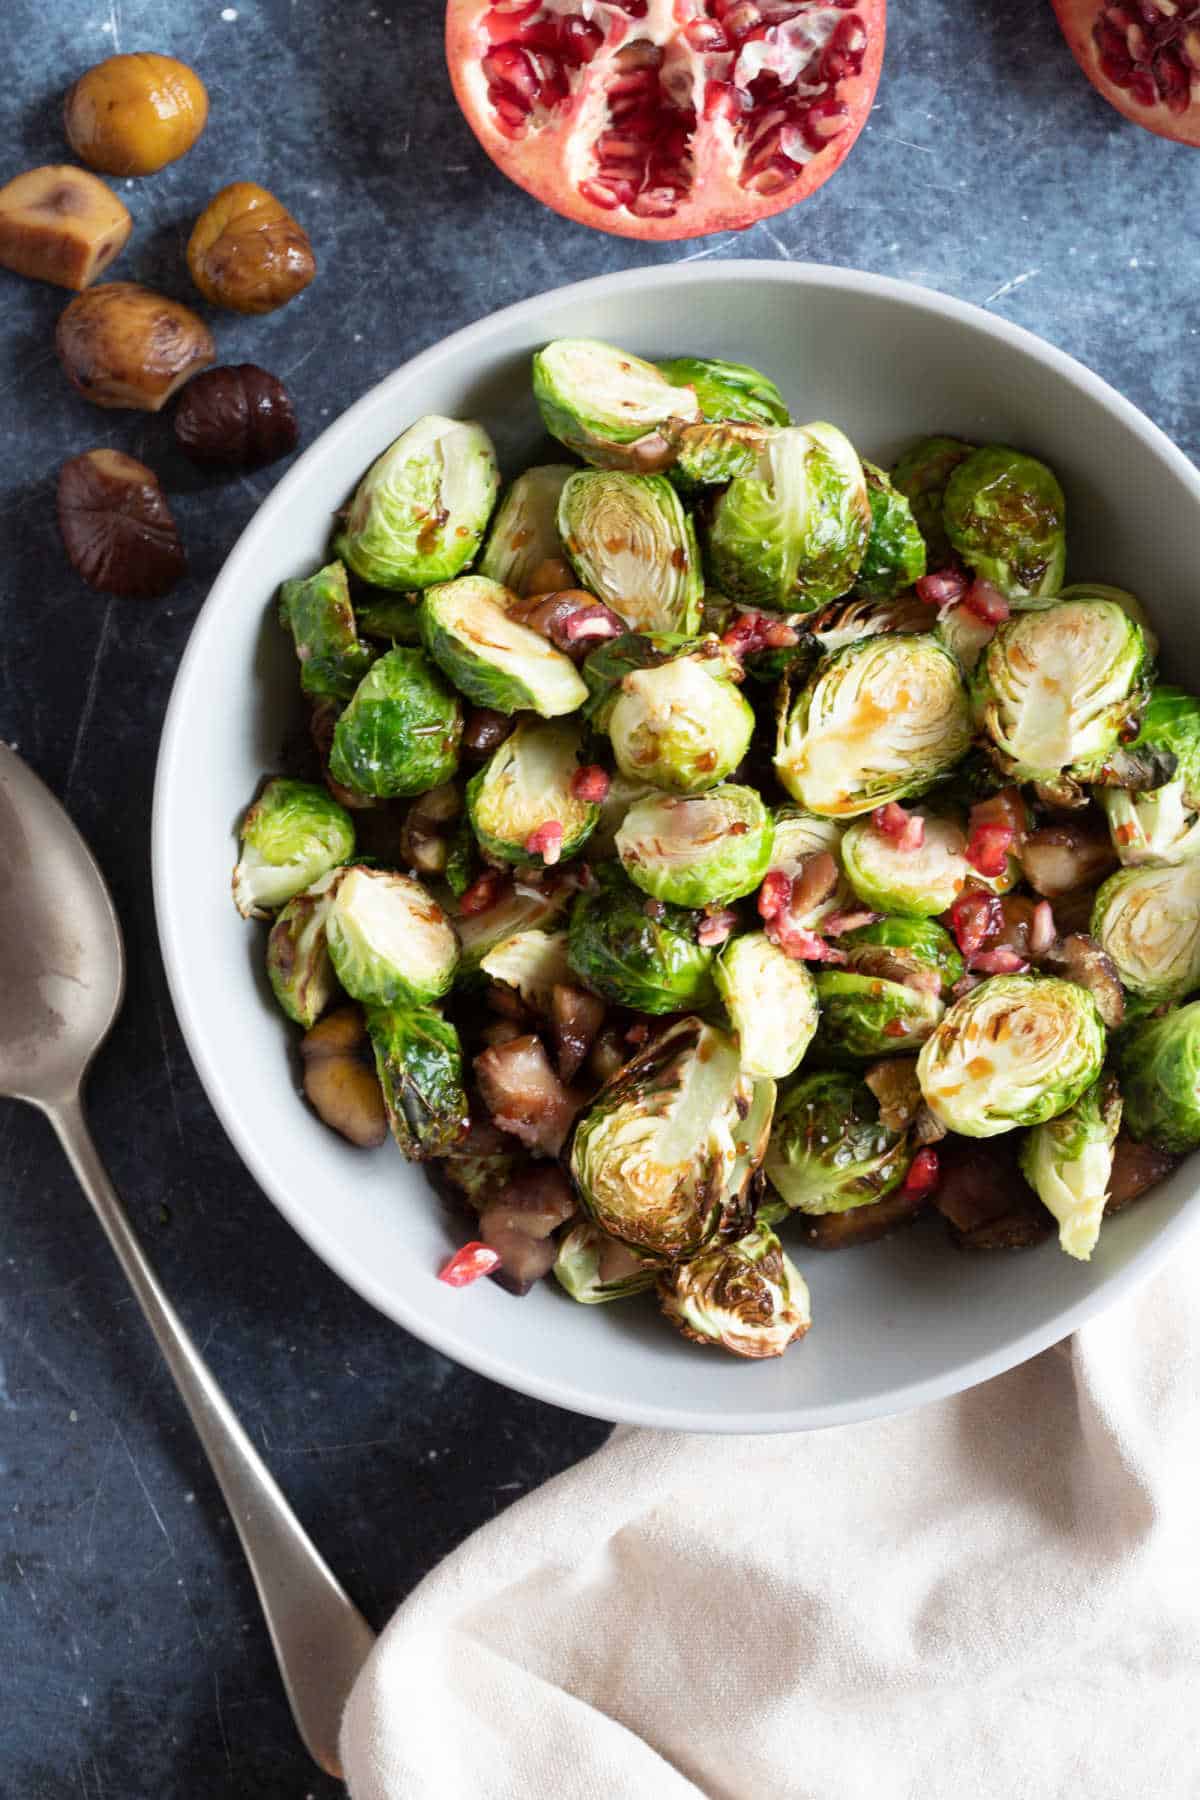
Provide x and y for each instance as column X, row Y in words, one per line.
column 574, row 621
column 863, row 1224
column 340, row 1079
column 1080, row 959
column 525, row 1096
column 62, row 225
column 116, row 526
column 485, row 730
column 1136, row 1169
column 576, row 1017
column 1060, row 858
column 985, row 1199
column 236, row 417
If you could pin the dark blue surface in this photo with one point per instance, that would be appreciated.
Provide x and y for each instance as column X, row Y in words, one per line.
column 135, row 1659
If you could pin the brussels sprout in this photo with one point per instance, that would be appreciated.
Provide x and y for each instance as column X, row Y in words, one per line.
column 633, row 546
column 392, row 618
column 400, row 733
column 647, row 960
column 494, row 661
column 859, row 616
column 928, row 943
column 1163, row 825
column 794, row 533
column 865, row 1015
column 524, row 787
column 921, row 476
column 1055, row 687
column 298, row 964
column 606, row 668
column 420, row 511
column 681, row 726
column 321, row 619
column 516, row 911
column 419, row 1062
column 965, row 635
column 533, row 962
column 709, row 455
column 895, row 555
column 700, row 849
column 882, row 720
column 663, row 1157
column 1005, row 517
column 829, row 1149
column 1148, row 921
column 920, row 883
column 1128, row 603
column 1160, row 1079
column 292, row 835
column 462, row 859
column 600, row 401
column 745, row 1295
column 728, row 390
column 771, row 1001
column 1017, row 1050
column 390, row 942
column 1068, row 1162
column 524, row 531
column 593, row 1267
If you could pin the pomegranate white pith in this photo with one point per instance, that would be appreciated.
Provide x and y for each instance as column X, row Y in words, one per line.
column 1143, row 56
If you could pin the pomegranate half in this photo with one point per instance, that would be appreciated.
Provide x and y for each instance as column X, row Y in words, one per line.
column 666, row 118
column 1143, row 56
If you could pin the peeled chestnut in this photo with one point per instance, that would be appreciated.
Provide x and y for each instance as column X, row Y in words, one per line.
column 237, row 417
column 61, row 224
column 340, row 1080
column 247, row 252
column 133, row 114
column 117, row 527
column 123, row 345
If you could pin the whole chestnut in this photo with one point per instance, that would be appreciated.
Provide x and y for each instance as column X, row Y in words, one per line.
column 133, row 114
column 236, row 417
column 123, row 345
column 116, row 526
column 247, row 252
column 61, row 224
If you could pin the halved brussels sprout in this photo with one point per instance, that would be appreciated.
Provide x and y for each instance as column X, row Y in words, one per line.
column 965, row 635
column 1068, row 1163
column 391, row 943
column 534, row 962
column 517, row 910
column 391, row 618
column 663, row 1157
column 594, row 1267
column 1005, row 517
column 1160, row 1079
column 292, row 835
column 800, row 836
column 1162, row 825
column 921, row 476
column 1148, row 921
column 1128, row 603
column 298, row 964
column 795, row 532
column 419, row 1062
column 525, row 788
column 1016, row 1050
column 320, row 617
column 636, row 953
column 859, row 616
column 728, row 390
column 771, row 1001
column 829, row 1149
column 681, row 726
column 745, row 1295
column 599, row 401
column 400, row 733
column 895, row 555
column 866, row 1014
column 1055, row 686
column 494, row 661
column 882, row 720
column 920, row 883
column 709, row 455
column 524, row 531
column 607, row 667
column 930, row 944
column 699, row 849
column 633, row 546
column 419, row 513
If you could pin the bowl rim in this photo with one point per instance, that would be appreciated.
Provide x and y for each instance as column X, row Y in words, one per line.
column 226, row 592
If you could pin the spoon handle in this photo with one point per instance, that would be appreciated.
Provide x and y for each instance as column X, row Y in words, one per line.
column 320, row 1637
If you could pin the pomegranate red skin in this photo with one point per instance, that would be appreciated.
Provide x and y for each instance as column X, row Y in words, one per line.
column 541, row 161
column 1174, row 112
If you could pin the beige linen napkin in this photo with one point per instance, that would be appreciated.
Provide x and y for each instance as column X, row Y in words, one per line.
column 996, row 1595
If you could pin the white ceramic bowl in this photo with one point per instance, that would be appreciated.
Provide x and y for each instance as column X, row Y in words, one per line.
column 900, row 1323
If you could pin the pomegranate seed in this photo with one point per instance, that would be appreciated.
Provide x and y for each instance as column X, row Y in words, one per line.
column 591, row 784
column 986, row 602
column 827, row 119
column 468, row 1264
column 546, row 841
column 923, row 1172
column 706, row 34
column 600, row 194
column 1042, row 929
column 581, row 39
column 908, row 829
column 1005, row 808
column 945, row 588
column 505, row 22
column 751, row 632
column 509, row 111
column 482, row 893
column 988, row 849
column 974, row 918
column 1001, row 961
column 511, row 67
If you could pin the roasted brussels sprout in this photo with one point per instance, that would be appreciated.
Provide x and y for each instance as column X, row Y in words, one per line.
column 1160, row 1079
column 728, row 390
column 1005, row 516
column 858, row 616
column 1163, row 824
column 419, row 1061
column 419, row 513
column 1068, row 1162
column 795, row 532
column 494, row 661
column 638, row 953
column 1017, row 1050
column 921, row 476
column 521, row 803
column 709, row 455
column 895, row 555
column 924, row 940
column 1055, row 687
column 533, row 962
column 1148, row 921
column 663, row 1157
column 298, row 964
column 594, row 1267
column 771, row 1001
column 524, row 532
column 882, row 720
column 633, row 546
column 321, row 619
column 391, row 943
column 512, row 912
column 869, row 1009
column 605, row 404
column 699, row 849
column 915, row 883
column 292, row 835
column 829, row 1150
column 400, row 733
column 1128, row 603
column 745, row 1295
column 682, row 726
column 392, row 618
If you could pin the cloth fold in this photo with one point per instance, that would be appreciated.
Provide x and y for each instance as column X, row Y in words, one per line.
column 996, row 1595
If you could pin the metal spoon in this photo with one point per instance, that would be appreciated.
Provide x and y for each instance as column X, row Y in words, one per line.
column 62, row 975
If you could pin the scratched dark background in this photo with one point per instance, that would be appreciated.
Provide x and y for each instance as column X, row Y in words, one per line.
column 135, row 1661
